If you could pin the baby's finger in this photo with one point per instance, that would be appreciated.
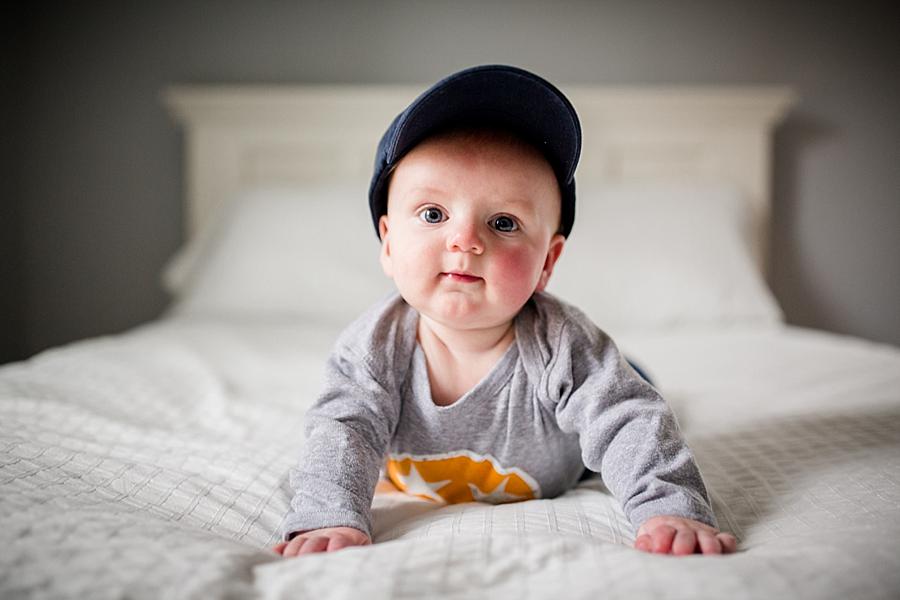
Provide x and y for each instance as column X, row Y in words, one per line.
column 729, row 542
column 314, row 544
column 337, row 542
column 279, row 548
column 644, row 543
column 709, row 543
column 293, row 547
column 662, row 539
column 685, row 541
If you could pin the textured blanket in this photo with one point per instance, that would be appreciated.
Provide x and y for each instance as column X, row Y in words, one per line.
column 154, row 464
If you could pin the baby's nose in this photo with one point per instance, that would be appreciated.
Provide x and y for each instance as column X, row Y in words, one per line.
column 465, row 238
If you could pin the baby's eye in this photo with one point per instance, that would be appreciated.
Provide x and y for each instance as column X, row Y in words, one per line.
column 504, row 224
column 432, row 215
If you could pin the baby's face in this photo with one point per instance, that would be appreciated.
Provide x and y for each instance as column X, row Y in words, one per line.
column 470, row 231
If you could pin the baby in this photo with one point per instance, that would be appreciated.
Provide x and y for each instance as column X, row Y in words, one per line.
column 473, row 383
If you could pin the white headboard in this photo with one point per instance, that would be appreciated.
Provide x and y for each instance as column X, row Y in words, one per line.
column 238, row 136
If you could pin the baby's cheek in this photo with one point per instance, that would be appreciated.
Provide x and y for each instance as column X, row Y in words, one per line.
column 517, row 272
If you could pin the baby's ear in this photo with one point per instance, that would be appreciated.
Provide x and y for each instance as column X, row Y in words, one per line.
column 385, row 256
column 553, row 252
column 382, row 227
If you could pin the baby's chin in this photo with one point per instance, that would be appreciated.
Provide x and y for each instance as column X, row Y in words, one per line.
column 462, row 314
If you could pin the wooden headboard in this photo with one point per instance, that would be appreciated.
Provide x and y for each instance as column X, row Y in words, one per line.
column 239, row 136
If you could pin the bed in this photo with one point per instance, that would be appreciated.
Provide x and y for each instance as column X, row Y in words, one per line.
column 154, row 463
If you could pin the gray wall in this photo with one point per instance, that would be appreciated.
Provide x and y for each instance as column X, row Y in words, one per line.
column 12, row 343
column 99, row 161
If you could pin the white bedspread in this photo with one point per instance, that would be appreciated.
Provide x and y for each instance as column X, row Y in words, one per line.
column 154, row 464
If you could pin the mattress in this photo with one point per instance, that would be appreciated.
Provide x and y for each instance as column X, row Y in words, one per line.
column 154, row 464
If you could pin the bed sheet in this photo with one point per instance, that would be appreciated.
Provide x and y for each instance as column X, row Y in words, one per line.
column 154, row 464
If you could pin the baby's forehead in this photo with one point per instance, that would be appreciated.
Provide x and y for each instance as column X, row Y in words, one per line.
column 495, row 162
column 476, row 138
column 492, row 153
column 500, row 152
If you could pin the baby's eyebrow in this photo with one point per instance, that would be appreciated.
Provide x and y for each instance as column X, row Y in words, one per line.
column 516, row 203
column 517, row 200
column 512, row 203
column 427, row 189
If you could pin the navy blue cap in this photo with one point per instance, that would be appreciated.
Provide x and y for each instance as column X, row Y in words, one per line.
column 496, row 96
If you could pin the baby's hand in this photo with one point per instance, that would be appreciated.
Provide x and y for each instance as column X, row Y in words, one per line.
column 327, row 539
column 677, row 535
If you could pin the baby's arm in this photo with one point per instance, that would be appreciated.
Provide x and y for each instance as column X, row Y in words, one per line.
column 348, row 429
column 328, row 539
column 678, row 535
column 630, row 436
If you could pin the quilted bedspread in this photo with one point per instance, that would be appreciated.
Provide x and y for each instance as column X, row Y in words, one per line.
column 154, row 464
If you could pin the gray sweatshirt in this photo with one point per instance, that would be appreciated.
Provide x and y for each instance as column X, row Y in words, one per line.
column 561, row 398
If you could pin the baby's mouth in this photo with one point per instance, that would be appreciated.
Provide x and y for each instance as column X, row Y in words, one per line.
column 461, row 277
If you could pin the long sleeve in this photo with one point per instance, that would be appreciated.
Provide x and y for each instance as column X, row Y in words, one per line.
column 626, row 430
column 347, row 433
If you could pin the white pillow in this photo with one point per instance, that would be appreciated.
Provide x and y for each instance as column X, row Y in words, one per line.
column 640, row 257
column 656, row 256
column 301, row 251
